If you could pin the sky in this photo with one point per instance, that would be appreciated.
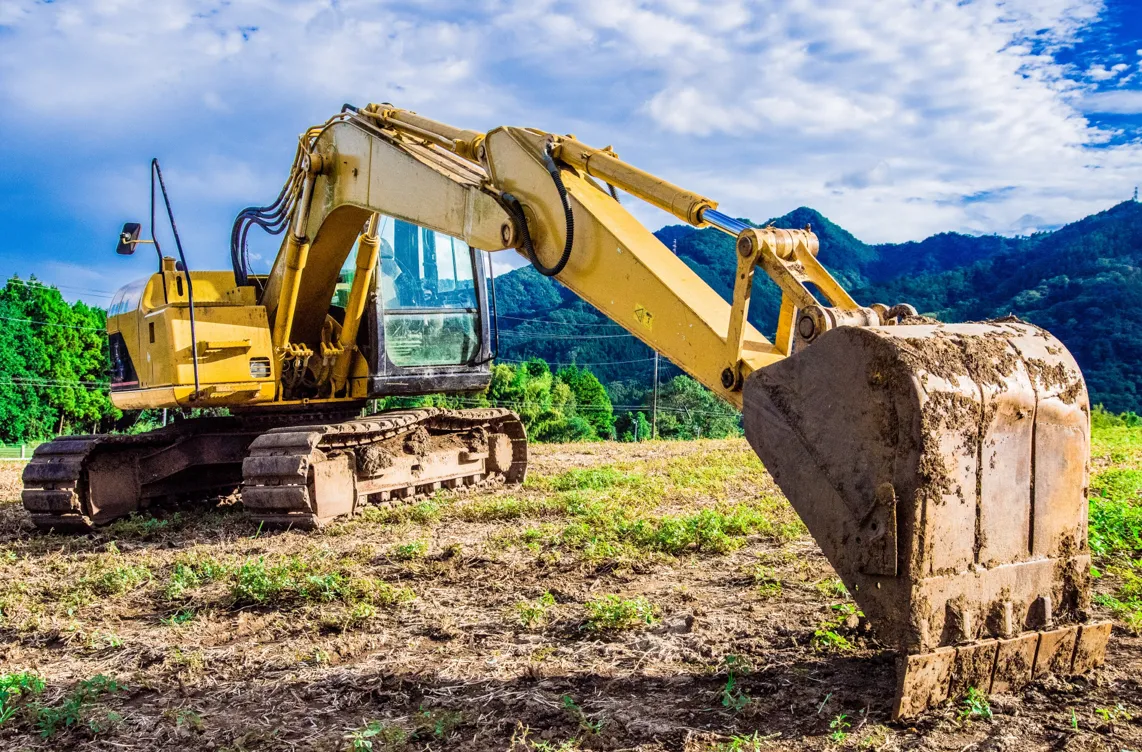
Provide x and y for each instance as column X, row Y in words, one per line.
column 897, row 119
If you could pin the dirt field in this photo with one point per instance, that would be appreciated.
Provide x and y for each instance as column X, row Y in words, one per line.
column 658, row 596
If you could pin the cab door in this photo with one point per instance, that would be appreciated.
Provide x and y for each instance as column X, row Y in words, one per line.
column 432, row 308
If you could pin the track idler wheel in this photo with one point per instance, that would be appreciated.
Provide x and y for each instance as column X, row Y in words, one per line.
column 943, row 471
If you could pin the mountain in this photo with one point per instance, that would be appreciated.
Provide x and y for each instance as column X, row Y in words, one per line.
column 1082, row 282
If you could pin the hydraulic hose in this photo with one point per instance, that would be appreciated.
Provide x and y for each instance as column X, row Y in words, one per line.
column 516, row 209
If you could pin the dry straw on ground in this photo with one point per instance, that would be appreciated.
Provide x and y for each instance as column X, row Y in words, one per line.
column 487, row 622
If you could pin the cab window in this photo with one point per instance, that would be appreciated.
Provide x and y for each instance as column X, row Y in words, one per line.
column 426, row 284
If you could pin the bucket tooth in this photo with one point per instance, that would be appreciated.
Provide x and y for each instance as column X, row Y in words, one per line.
column 1056, row 652
column 923, row 681
column 1013, row 662
column 942, row 469
column 1090, row 648
column 973, row 668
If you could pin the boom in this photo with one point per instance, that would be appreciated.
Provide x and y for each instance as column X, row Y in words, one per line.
column 396, row 163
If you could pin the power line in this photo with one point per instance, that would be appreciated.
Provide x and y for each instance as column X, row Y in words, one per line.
column 103, row 386
column 92, row 387
column 553, row 321
column 600, row 363
column 529, row 335
column 37, row 283
column 68, row 382
column 593, row 408
column 60, row 326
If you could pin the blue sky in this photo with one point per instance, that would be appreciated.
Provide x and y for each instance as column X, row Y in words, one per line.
column 895, row 118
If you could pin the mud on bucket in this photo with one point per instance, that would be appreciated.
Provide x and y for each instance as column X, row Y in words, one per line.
column 943, row 471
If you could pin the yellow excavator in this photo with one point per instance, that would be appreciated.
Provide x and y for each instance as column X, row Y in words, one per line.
column 942, row 468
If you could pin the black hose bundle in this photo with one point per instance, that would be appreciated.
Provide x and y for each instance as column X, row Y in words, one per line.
column 274, row 219
column 516, row 209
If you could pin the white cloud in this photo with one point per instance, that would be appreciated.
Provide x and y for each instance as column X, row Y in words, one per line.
column 896, row 118
column 1114, row 102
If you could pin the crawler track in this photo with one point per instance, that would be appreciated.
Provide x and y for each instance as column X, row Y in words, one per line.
column 75, row 483
column 299, row 476
column 305, row 475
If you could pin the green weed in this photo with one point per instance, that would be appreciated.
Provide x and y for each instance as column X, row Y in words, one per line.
column 767, row 584
column 1124, row 607
column 831, row 587
column 711, row 473
column 535, row 613
column 602, row 528
column 576, row 712
column 98, row 640
column 593, row 478
column 499, row 508
column 975, row 705
column 610, row 612
column 71, row 709
column 110, row 720
column 826, row 638
column 1112, row 715
column 732, row 696
column 295, row 581
column 828, row 641
column 436, row 724
column 375, row 732
column 191, row 572
column 752, row 743
column 839, row 728
column 12, row 686
column 1116, row 512
column 142, row 528
column 178, row 618
column 188, row 718
column 409, row 551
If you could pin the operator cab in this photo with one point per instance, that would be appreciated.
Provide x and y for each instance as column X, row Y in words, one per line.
column 427, row 327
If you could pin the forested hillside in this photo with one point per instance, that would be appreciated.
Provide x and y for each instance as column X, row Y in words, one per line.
column 1083, row 283
column 1080, row 282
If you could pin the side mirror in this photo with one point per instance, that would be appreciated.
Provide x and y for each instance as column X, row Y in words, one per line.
column 128, row 238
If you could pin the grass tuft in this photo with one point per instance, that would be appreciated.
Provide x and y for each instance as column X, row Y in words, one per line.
column 536, row 613
column 409, row 551
column 293, row 580
column 610, row 612
column 13, row 686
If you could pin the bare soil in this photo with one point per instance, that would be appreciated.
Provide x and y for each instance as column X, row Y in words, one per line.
column 455, row 668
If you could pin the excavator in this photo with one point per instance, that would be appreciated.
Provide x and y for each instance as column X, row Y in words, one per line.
column 942, row 468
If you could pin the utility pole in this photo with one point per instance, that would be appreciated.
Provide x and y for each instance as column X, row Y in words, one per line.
column 654, row 401
column 1135, row 194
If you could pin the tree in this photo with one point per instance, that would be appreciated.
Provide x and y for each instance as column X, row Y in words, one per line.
column 633, row 426
column 53, row 364
column 591, row 400
column 688, row 410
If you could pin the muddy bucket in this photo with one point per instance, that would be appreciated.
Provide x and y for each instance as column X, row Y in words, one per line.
column 943, row 471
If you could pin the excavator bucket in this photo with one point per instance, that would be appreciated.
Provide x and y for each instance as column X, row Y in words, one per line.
column 943, row 470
